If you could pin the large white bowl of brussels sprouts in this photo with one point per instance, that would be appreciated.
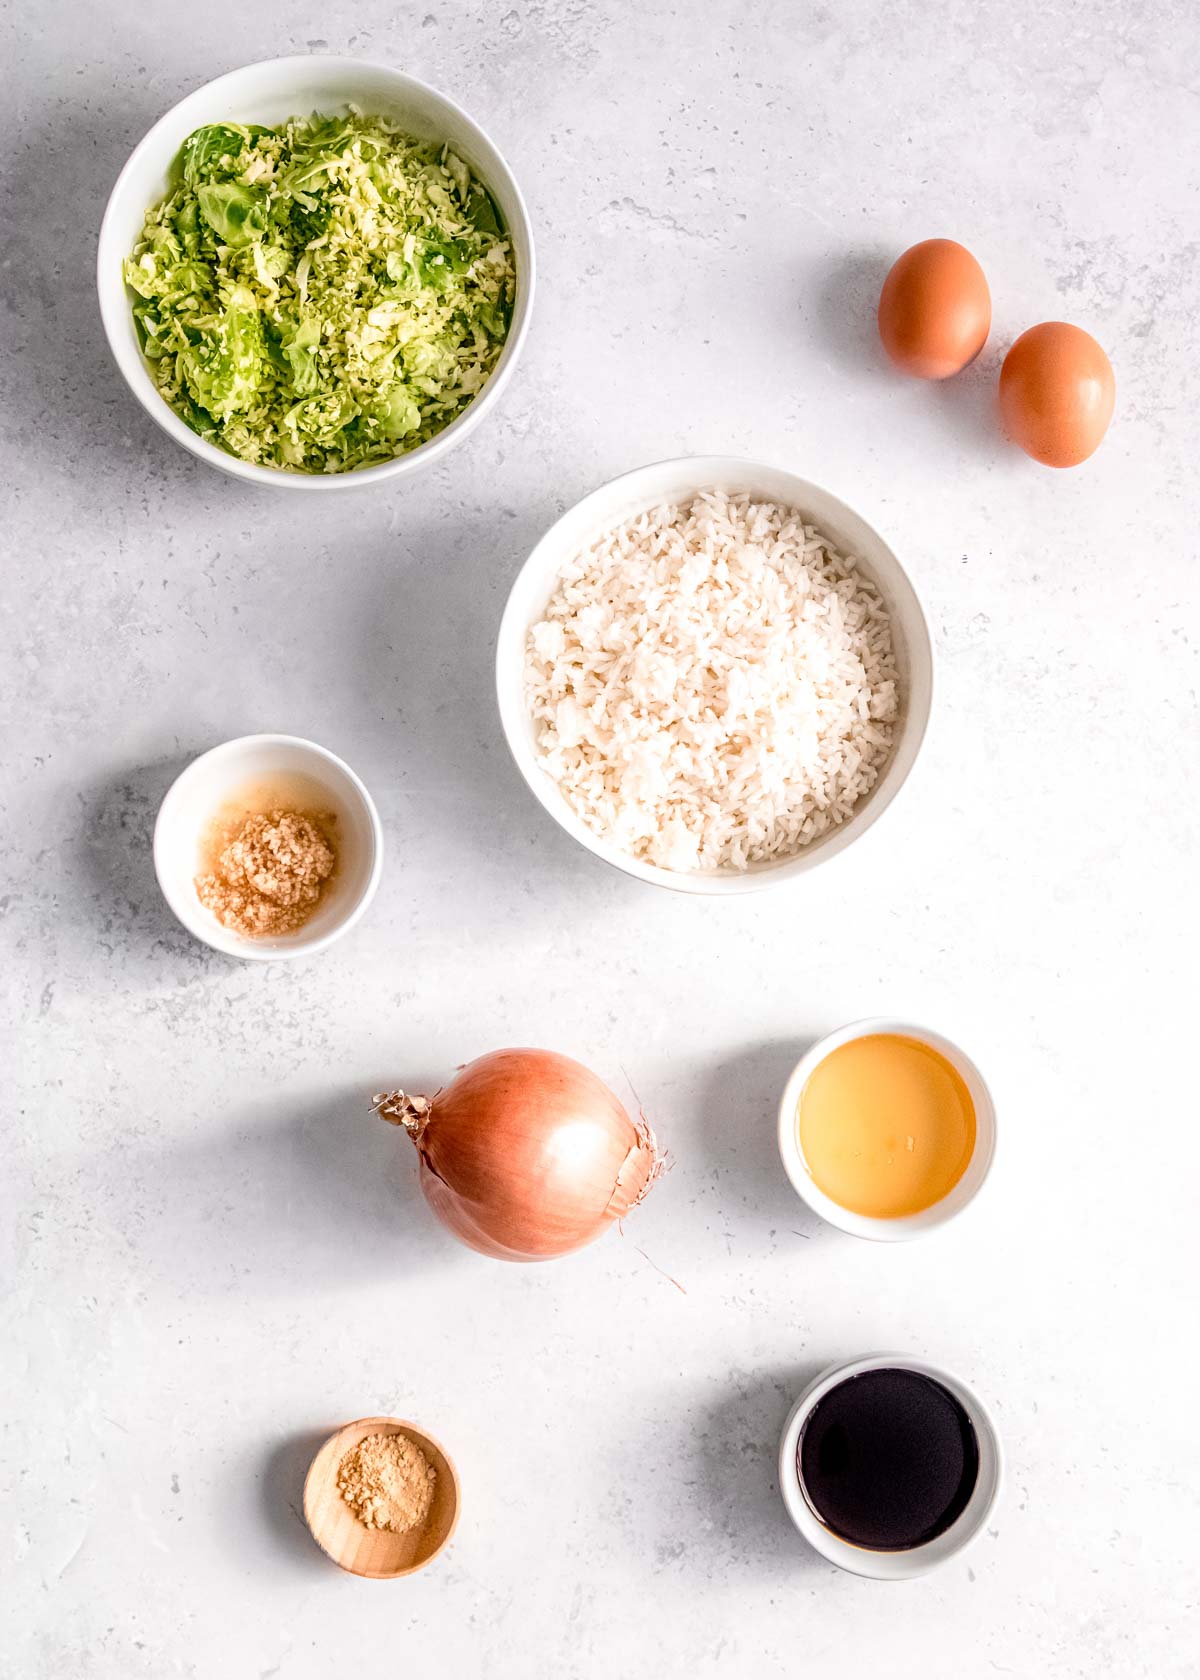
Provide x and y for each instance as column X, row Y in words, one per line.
column 316, row 273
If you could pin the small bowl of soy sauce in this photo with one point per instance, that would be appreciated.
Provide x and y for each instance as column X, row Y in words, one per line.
column 889, row 1466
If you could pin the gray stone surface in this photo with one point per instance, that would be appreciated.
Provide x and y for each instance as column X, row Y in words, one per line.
column 209, row 1252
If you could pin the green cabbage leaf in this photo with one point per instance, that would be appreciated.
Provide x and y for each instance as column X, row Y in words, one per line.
column 323, row 295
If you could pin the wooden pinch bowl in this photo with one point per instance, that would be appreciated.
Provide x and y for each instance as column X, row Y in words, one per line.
column 376, row 1554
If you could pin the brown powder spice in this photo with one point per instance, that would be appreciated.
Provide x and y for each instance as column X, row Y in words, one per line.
column 269, row 875
column 387, row 1482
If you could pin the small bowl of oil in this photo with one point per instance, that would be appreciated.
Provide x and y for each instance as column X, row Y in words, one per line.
column 253, row 776
column 887, row 1130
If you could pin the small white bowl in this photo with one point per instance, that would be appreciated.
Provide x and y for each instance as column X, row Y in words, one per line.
column 892, row 1566
column 913, row 1224
column 269, row 93
column 674, row 481
column 223, row 776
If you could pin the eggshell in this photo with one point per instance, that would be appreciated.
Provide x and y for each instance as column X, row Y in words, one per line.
column 1057, row 393
column 935, row 310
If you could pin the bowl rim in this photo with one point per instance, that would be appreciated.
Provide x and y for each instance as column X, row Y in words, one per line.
column 919, row 1560
column 908, row 1226
column 509, row 664
column 396, row 1426
column 114, row 303
column 192, row 916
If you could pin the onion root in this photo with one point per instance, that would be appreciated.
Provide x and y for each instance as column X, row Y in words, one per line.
column 400, row 1109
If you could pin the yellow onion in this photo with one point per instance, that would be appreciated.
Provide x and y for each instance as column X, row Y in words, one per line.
column 526, row 1155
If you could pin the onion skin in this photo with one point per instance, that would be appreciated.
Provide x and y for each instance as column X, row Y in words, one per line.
column 526, row 1155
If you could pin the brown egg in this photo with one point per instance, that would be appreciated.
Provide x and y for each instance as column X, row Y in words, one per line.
column 1056, row 393
column 935, row 310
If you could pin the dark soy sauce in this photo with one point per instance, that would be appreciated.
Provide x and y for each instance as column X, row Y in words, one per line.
column 888, row 1460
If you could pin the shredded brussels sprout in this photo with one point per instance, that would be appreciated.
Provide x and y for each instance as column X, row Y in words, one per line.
column 324, row 295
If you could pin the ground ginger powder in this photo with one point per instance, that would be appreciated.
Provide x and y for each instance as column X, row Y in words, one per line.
column 269, row 874
column 387, row 1482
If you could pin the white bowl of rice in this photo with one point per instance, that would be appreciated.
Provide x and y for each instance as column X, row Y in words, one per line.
column 714, row 674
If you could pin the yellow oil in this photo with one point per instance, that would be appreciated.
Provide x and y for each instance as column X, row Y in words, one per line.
column 886, row 1126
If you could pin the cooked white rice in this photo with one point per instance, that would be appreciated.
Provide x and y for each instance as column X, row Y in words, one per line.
column 713, row 684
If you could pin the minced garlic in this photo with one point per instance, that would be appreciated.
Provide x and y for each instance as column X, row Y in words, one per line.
column 269, row 875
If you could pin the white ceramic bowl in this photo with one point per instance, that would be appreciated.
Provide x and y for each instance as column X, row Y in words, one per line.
column 224, row 775
column 911, row 1225
column 269, row 93
column 892, row 1566
column 671, row 481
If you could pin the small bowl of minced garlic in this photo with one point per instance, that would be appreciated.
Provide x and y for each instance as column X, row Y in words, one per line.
column 381, row 1498
column 268, row 847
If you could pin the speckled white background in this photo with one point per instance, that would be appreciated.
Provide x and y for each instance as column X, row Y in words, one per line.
column 211, row 1254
